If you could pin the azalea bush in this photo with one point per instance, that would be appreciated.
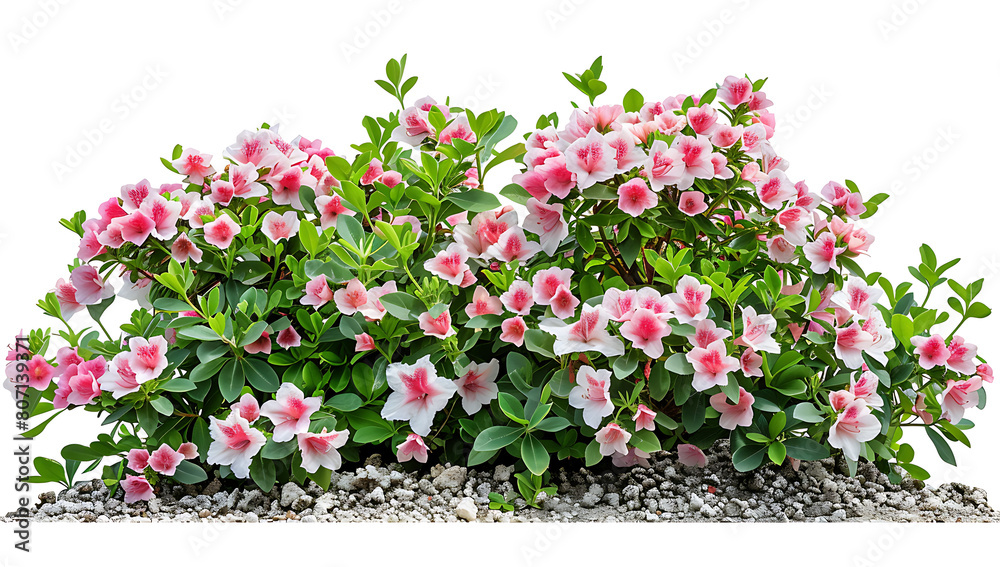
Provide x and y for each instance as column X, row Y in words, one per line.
column 656, row 282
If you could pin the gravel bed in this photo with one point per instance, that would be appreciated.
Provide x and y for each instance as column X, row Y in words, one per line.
column 667, row 491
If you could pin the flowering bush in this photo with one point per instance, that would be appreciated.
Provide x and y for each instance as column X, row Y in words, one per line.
column 664, row 286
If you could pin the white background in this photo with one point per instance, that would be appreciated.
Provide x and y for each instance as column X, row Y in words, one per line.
column 883, row 93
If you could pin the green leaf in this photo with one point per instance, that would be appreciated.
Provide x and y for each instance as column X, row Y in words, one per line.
column 163, row 405
column 474, row 200
column 515, row 193
column 263, row 473
column 496, row 437
column 749, row 457
column 593, row 455
column 633, row 101
column 177, row 385
column 776, row 452
column 189, row 473
column 231, row 380
column 345, row 402
column 943, row 448
column 198, row 333
column 534, row 455
column 678, row 364
column 806, row 449
column 76, row 452
column 277, row 451
column 645, row 440
column 49, row 470
column 777, row 424
column 403, row 306
column 511, row 408
column 260, row 375
column 808, row 413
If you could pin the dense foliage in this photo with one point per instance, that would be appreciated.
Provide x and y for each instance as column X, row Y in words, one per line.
column 661, row 284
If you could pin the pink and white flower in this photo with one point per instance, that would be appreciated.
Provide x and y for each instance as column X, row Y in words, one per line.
column 195, row 165
column 164, row 215
column 513, row 245
column 627, row 155
column 147, row 359
column 962, row 356
column 548, row 223
column 439, row 326
column 711, row 365
column 776, row 190
column 512, row 331
column 750, row 363
column 794, row 221
column 284, row 226
column 184, row 249
column 757, row 331
column 483, row 304
column 735, row 415
column 823, row 252
column 320, row 449
column 665, row 166
column 519, row 297
column 90, row 288
column 234, row 443
column 289, row 338
column 261, row 345
column 690, row 300
column 137, row 459
column 706, row 333
column 289, row 411
column 931, row 350
column 865, row 387
column 318, row 292
column 546, row 284
column 735, row 91
column 221, row 231
column 351, row 299
column 165, row 460
column 484, row 231
column 413, row 448
column 857, row 297
column 364, row 342
column 644, row 418
column 417, row 394
column 691, row 456
column 692, row 203
column 330, row 208
column 477, row 385
column 592, row 395
column 137, row 489
column 589, row 333
column 646, row 331
column 854, row 426
column 449, row 264
column 959, row 396
column 635, row 197
column 619, row 304
column 852, row 341
column 612, row 439
column 120, row 380
column 592, row 159
column 247, row 408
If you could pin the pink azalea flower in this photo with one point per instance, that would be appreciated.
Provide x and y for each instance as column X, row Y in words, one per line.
column 669, row 123
column 690, row 300
column 932, row 351
column 513, row 245
column 757, row 330
column 458, row 128
column 866, row 388
column 330, row 208
column 692, row 203
column 696, row 153
column 261, row 345
column 835, row 193
column 563, row 303
column 702, row 119
column 840, row 399
column 512, row 331
column 418, row 393
column 198, row 209
column 413, row 448
column 780, row 250
column 138, row 459
column 857, row 297
column 619, row 304
column 351, row 299
column 147, row 359
column 373, row 173
column 920, row 409
column 734, row 415
column 985, row 372
column 589, row 333
column 627, row 155
column 164, row 214
column 484, row 231
column 133, row 196
column 592, row 395
column 65, row 357
column 289, row 411
column 285, row 179
column 706, row 333
column 691, row 456
column 711, row 366
column 548, row 223
column 364, row 342
column 247, row 408
column 750, row 363
column 79, row 384
column 851, row 342
column 121, row 379
column 634, row 457
column 794, row 221
column 962, row 357
column 646, row 331
column 551, row 177
column 195, row 165
column 276, row 226
column 317, row 292
column 546, row 283
column 477, row 385
column 374, row 310
column 234, row 443
column 776, row 190
column 90, row 246
column 725, row 136
column 439, row 326
column 665, row 166
column 612, row 439
column 243, row 179
column 221, row 232
column 90, row 288
column 392, row 178
column 754, row 140
column 165, row 460
column 483, row 304
column 320, row 449
column 735, row 91
column 39, row 372
column 449, row 264
column 592, row 159
column 184, row 248
column 644, row 418
column 959, row 396
column 134, row 228
column 137, row 489
column 823, row 253
column 289, row 338
column 854, row 426
column 519, row 298
column 188, row 450
column 635, row 197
